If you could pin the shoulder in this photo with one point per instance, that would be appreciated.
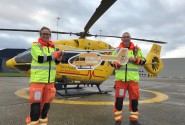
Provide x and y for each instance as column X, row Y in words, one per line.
column 34, row 44
column 137, row 47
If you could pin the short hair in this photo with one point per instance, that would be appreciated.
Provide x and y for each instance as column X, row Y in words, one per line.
column 126, row 33
column 44, row 27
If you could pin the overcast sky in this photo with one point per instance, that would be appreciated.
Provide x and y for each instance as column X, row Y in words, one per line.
column 162, row 20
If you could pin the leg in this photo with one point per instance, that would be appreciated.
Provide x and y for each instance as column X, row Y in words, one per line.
column 36, row 92
column 133, row 90
column 120, row 91
column 35, row 111
column 45, row 110
column 118, row 105
column 48, row 96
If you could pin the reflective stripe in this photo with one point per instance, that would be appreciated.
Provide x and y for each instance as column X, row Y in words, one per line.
column 32, row 123
column 43, row 123
column 134, row 116
column 45, row 57
column 52, row 55
column 134, row 113
column 118, row 112
column 128, row 69
column 41, row 48
column 43, row 67
column 117, row 118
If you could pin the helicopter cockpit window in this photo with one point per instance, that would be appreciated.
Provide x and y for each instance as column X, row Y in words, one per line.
column 82, row 59
column 66, row 57
column 102, row 63
column 24, row 57
column 77, row 59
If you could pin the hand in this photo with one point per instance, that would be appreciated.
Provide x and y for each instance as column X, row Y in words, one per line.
column 60, row 58
column 132, row 60
column 60, row 52
column 116, row 65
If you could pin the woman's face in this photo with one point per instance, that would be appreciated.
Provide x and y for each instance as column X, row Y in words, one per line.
column 45, row 35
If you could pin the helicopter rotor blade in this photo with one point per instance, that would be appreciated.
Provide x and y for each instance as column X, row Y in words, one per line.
column 27, row 30
column 70, row 33
column 21, row 30
column 103, row 7
column 152, row 41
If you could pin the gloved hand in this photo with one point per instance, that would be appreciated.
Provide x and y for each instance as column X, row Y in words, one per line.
column 132, row 60
column 116, row 65
column 60, row 52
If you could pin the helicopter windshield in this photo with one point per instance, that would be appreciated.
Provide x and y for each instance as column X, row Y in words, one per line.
column 24, row 57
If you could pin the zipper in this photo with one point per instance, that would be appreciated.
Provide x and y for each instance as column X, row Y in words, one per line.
column 126, row 73
column 49, row 68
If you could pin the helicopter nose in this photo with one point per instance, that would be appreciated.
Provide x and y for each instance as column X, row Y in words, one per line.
column 10, row 63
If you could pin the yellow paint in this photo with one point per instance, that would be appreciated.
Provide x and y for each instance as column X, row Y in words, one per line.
column 158, row 98
column 98, row 75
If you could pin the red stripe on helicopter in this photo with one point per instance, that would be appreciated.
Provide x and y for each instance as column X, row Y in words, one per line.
column 90, row 74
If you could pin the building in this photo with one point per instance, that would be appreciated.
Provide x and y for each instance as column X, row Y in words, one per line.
column 173, row 68
column 6, row 54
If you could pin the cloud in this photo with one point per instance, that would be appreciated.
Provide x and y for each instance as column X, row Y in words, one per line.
column 147, row 19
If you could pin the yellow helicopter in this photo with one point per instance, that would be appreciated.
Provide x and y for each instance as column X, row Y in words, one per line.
column 68, row 74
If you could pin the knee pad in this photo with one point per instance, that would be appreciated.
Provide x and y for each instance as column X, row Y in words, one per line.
column 119, row 104
column 134, row 105
column 49, row 94
column 35, row 111
column 36, row 95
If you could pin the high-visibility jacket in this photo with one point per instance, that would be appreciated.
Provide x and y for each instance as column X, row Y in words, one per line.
column 129, row 72
column 43, row 67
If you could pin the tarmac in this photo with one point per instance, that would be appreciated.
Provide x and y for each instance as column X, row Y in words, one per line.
column 162, row 102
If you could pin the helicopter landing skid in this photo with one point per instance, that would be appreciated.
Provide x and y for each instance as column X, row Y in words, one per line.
column 63, row 86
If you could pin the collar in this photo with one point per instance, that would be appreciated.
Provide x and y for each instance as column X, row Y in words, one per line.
column 49, row 44
column 131, row 47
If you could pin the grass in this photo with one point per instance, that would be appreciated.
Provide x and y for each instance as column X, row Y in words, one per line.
column 11, row 75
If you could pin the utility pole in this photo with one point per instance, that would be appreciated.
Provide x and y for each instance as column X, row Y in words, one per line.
column 57, row 26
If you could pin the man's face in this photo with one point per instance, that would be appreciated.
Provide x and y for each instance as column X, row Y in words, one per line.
column 126, row 39
column 45, row 35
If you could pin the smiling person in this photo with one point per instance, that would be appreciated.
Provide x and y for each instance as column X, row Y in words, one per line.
column 42, row 77
column 126, row 79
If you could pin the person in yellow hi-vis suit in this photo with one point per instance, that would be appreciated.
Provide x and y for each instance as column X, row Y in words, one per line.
column 42, row 77
column 126, row 79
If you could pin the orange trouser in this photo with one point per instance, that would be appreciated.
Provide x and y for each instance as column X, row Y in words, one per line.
column 41, row 95
column 120, row 92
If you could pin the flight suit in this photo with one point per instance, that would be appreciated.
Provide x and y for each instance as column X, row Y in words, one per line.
column 126, row 79
column 42, row 77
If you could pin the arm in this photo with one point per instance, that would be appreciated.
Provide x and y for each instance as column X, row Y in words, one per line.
column 40, row 57
column 115, row 63
column 140, row 59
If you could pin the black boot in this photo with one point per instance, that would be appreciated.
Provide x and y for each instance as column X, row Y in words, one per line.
column 134, row 122
column 118, row 123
